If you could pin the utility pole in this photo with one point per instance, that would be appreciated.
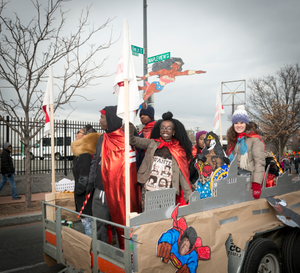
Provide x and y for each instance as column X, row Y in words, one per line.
column 233, row 93
column 150, row 100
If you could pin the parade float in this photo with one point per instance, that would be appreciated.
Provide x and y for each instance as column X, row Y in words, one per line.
column 236, row 233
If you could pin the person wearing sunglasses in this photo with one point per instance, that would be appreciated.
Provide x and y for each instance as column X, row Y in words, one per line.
column 83, row 149
column 170, row 146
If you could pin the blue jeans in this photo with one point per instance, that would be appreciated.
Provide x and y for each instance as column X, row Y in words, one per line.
column 12, row 184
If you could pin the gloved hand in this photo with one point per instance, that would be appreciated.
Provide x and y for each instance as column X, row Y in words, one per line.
column 201, row 157
column 9, row 175
column 183, row 269
column 163, row 251
column 256, row 190
column 89, row 188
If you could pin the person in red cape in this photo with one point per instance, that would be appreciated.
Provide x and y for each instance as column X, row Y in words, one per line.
column 248, row 148
column 107, row 176
column 147, row 119
column 169, row 146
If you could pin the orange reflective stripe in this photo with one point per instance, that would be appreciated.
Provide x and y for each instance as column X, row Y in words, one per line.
column 50, row 238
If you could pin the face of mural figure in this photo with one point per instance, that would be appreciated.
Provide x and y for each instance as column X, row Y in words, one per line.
column 240, row 127
column 167, row 130
column 201, row 141
column 163, row 183
column 184, row 246
column 103, row 122
column 176, row 65
column 151, row 182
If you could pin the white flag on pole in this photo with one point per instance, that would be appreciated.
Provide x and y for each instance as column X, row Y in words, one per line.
column 219, row 111
column 48, row 99
column 125, row 70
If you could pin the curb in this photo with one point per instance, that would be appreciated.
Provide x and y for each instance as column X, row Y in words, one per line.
column 20, row 219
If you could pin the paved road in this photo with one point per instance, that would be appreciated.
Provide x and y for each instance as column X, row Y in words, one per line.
column 22, row 250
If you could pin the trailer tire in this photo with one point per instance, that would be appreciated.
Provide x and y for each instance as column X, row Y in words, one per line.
column 291, row 250
column 263, row 255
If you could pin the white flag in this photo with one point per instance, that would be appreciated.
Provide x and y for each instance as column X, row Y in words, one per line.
column 219, row 111
column 125, row 70
column 48, row 99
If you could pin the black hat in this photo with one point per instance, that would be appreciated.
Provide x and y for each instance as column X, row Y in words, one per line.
column 149, row 111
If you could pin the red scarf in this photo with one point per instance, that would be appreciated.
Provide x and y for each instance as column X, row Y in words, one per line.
column 146, row 131
column 113, row 178
column 179, row 155
column 251, row 134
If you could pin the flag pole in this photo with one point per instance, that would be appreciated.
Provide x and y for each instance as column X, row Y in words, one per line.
column 52, row 133
column 127, row 174
column 220, row 106
column 50, row 211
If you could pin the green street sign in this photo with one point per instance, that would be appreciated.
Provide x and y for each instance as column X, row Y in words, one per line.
column 137, row 50
column 135, row 54
column 159, row 58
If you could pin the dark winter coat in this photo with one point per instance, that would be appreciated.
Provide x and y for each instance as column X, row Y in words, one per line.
column 83, row 150
column 7, row 166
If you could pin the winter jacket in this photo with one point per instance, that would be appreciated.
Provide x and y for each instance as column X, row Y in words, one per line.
column 256, row 158
column 83, row 149
column 144, row 171
column 7, row 166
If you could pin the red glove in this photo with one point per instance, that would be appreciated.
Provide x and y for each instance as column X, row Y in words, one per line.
column 256, row 190
column 163, row 251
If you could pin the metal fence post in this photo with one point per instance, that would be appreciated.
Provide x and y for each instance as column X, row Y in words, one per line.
column 65, row 146
column 7, row 129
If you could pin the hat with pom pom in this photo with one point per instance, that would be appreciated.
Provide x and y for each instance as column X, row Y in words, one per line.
column 240, row 114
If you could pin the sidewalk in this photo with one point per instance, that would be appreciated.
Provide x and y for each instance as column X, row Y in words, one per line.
column 21, row 218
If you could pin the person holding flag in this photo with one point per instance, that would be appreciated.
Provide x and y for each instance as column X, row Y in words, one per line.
column 147, row 119
column 107, row 176
column 169, row 146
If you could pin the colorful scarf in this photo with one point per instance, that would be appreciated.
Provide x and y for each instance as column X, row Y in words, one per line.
column 241, row 141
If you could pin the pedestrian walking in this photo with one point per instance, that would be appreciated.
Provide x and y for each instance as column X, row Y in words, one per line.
column 8, row 170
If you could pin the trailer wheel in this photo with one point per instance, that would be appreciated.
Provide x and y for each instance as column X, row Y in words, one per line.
column 263, row 256
column 291, row 250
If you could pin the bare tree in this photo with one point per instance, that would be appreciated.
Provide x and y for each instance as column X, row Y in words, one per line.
column 274, row 104
column 25, row 61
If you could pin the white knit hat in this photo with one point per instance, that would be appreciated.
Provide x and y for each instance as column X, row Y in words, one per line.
column 240, row 114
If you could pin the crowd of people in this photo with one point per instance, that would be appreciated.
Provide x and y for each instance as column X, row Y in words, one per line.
column 164, row 158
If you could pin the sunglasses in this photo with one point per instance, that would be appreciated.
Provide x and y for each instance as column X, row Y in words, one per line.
column 166, row 128
column 79, row 132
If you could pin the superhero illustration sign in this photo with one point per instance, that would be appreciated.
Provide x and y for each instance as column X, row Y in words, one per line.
column 181, row 246
column 166, row 71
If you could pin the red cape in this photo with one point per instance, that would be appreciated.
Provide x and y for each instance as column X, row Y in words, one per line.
column 147, row 129
column 113, row 177
column 179, row 155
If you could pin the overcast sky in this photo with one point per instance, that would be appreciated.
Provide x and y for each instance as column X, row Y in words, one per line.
column 231, row 40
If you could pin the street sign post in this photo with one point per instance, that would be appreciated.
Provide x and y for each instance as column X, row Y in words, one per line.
column 159, row 58
column 136, row 50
